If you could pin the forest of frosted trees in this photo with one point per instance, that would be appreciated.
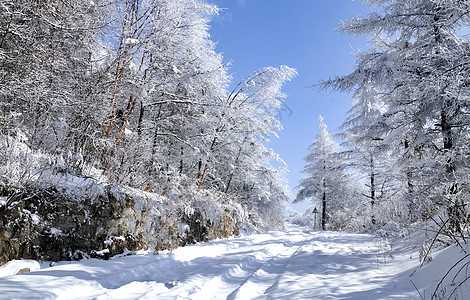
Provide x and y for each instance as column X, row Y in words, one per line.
column 404, row 161
column 132, row 95
column 123, row 110
column 121, row 129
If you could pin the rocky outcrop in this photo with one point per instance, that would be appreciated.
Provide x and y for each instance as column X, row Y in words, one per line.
column 52, row 225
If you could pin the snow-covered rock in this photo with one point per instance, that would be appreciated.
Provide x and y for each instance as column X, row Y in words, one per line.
column 19, row 266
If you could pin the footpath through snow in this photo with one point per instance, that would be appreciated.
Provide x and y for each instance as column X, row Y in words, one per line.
column 291, row 264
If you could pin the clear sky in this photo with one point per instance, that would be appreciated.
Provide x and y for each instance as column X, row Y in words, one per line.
column 301, row 34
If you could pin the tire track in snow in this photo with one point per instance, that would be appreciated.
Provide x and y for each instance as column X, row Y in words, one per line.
column 263, row 283
column 246, row 284
column 238, row 273
column 253, row 272
column 290, row 264
column 274, row 286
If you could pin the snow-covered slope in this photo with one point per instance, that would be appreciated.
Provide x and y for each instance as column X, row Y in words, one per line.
column 291, row 264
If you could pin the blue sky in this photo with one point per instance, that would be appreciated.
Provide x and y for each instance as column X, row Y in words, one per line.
column 301, row 34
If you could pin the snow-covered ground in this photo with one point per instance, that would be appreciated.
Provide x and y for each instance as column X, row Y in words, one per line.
column 291, row 264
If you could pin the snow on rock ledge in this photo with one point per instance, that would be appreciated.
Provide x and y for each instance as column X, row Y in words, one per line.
column 51, row 224
column 18, row 266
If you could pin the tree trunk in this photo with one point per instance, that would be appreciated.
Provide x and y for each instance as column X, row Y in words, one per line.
column 323, row 212
column 455, row 210
column 372, row 190
column 409, row 184
column 236, row 163
column 129, row 110
column 203, row 177
column 447, row 136
column 141, row 118
column 182, row 161
column 155, row 136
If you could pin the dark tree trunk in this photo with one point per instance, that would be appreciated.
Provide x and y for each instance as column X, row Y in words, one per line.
column 372, row 192
column 323, row 212
column 141, row 118
column 409, row 184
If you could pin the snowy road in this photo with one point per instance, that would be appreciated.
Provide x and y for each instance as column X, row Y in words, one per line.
column 292, row 264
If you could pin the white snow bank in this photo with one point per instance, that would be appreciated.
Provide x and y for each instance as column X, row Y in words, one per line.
column 445, row 277
column 291, row 264
column 15, row 266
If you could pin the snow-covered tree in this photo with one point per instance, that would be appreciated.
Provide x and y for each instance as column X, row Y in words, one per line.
column 364, row 132
column 248, row 118
column 327, row 181
column 240, row 164
column 415, row 66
